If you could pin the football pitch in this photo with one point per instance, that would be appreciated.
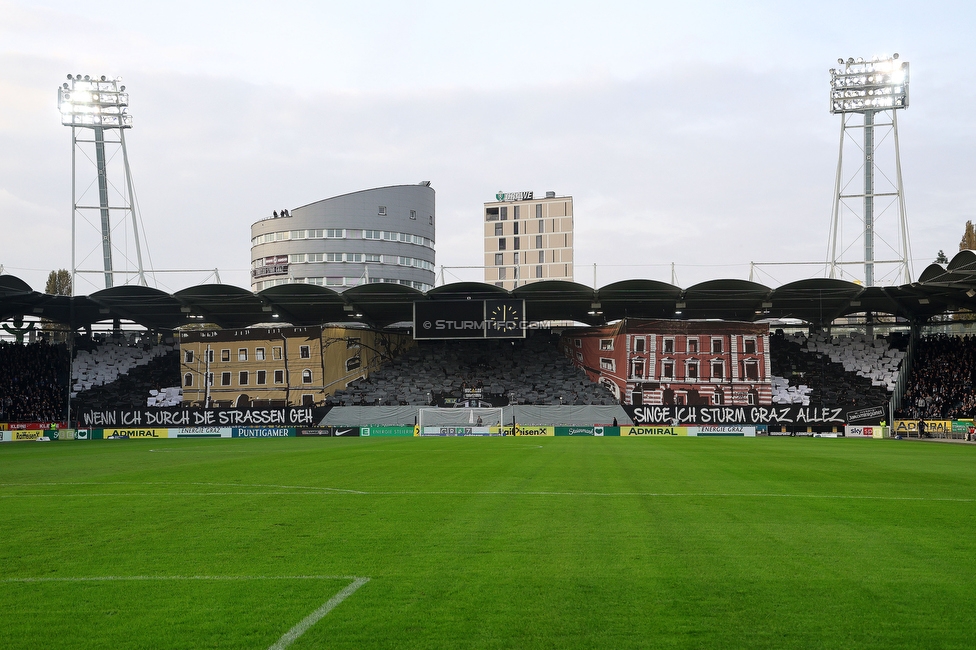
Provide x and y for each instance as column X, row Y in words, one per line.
column 488, row 543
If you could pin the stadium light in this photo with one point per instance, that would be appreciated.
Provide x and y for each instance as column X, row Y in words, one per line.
column 99, row 104
column 876, row 85
column 869, row 88
column 103, row 102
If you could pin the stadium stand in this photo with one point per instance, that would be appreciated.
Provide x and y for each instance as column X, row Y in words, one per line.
column 32, row 381
column 844, row 371
column 534, row 370
column 941, row 386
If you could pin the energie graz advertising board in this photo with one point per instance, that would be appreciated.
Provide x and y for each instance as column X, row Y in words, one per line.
column 469, row 319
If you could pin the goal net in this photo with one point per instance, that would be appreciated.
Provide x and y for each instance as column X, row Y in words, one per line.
column 459, row 421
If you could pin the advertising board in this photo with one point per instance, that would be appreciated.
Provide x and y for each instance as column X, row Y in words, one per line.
column 576, row 431
column 329, row 432
column 201, row 432
column 132, row 433
column 452, row 431
column 653, row 430
column 263, row 432
column 852, row 431
column 385, row 431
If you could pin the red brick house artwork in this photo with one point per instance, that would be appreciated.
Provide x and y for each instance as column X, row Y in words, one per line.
column 667, row 362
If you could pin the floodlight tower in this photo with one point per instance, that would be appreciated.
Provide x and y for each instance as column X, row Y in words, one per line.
column 878, row 87
column 100, row 106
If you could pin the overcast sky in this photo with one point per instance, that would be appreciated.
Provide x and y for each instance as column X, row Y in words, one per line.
column 696, row 133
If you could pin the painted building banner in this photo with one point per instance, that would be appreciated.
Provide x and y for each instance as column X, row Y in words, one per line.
column 775, row 415
column 177, row 417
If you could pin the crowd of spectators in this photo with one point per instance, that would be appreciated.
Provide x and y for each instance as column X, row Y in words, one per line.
column 33, row 382
column 941, row 386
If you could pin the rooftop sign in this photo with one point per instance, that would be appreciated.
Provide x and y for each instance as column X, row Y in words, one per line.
column 513, row 196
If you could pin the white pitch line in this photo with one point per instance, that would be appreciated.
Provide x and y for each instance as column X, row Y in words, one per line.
column 291, row 635
column 286, row 639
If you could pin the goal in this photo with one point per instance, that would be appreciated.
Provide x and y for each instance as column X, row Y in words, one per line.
column 459, row 421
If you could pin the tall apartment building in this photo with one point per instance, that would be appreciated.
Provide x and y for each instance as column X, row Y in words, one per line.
column 528, row 239
column 385, row 234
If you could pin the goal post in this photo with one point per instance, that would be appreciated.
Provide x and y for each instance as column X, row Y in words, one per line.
column 460, row 421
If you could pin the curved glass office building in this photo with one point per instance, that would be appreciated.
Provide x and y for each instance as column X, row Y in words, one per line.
column 384, row 234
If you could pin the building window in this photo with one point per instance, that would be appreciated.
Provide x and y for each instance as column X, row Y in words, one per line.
column 499, row 259
column 209, row 354
column 504, row 212
column 381, row 211
column 515, row 226
column 242, row 378
column 501, row 244
column 718, row 398
column 188, row 356
column 225, row 379
column 718, row 370
column 667, row 369
column 751, row 367
column 692, row 371
column 578, row 343
column 716, row 346
column 315, row 257
column 542, row 224
column 639, row 369
column 751, row 398
column 638, row 344
column 517, row 241
column 668, row 346
column 353, row 343
column 607, row 364
column 279, row 376
column 542, row 257
column 538, row 271
column 579, row 356
column 413, row 215
column 259, row 354
column 515, row 261
column 298, row 234
column 430, row 219
column 499, row 229
column 354, row 257
column 306, row 376
column 276, row 352
column 515, row 212
column 353, row 363
column 371, row 257
column 262, row 378
column 305, row 352
column 606, row 344
column 692, row 346
column 188, row 379
column 538, row 212
column 209, row 378
column 333, row 257
column 501, row 273
column 491, row 214
column 225, row 355
column 298, row 258
column 749, row 346
column 538, row 241
column 242, row 354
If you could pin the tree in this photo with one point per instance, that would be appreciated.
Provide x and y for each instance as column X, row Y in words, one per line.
column 968, row 242
column 58, row 283
column 941, row 258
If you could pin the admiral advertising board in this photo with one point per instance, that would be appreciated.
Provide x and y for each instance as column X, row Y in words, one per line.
column 469, row 319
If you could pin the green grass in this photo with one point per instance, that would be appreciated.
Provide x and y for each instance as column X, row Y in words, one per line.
column 490, row 543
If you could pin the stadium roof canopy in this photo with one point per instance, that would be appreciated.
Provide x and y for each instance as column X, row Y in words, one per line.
column 817, row 301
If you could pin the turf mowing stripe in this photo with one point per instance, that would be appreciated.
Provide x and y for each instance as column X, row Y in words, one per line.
column 142, row 578
column 291, row 635
column 337, row 492
column 287, row 638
